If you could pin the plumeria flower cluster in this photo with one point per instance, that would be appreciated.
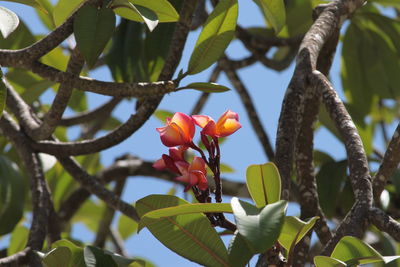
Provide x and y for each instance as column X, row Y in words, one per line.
column 178, row 136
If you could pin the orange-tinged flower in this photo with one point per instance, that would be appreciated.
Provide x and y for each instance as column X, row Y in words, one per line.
column 226, row 125
column 178, row 131
column 193, row 174
column 166, row 162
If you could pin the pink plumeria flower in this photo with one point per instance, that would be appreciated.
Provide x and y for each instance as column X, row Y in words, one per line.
column 226, row 125
column 193, row 174
column 178, row 131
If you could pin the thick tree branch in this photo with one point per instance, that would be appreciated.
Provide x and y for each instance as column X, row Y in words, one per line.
column 385, row 223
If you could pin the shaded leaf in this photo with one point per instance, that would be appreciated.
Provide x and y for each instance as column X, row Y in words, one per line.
column 59, row 256
column 95, row 257
column 217, row 33
column 8, row 21
column 93, row 28
column 20, row 38
column 183, row 231
column 260, row 227
column 206, row 87
column 126, row 226
column 239, row 251
column 33, row 3
column 12, row 195
column 264, row 183
column 77, row 259
column 274, row 12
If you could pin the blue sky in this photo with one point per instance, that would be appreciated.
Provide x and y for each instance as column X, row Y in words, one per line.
column 266, row 87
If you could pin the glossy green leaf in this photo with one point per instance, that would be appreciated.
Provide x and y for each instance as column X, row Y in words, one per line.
column 125, row 58
column 217, row 33
column 126, row 9
column 8, row 21
column 239, row 251
column 126, row 226
column 294, row 230
column 324, row 261
column 274, row 12
column 164, row 10
column 12, row 195
column 155, row 215
column 260, row 227
column 163, row 114
column 77, row 259
column 93, row 28
column 59, row 256
column 206, row 87
column 64, row 9
column 18, row 240
column 95, row 257
column 3, row 94
column 264, row 183
column 181, row 232
column 330, row 180
column 354, row 251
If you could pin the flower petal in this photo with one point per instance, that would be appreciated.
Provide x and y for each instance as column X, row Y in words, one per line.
column 198, row 164
column 227, row 124
column 159, row 165
column 186, row 124
column 177, row 153
column 182, row 167
column 202, row 120
column 210, row 129
column 171, row 135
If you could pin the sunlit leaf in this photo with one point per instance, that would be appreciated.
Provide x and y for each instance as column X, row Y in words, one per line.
column 217, row 33
column 183, row 231
column 162, row 115
column 64, row 9
column 264, row 183
column 18, row 240
column 93, row 28
column 8, row 21
column 126, row 9
column 239, row 251
column 274, row 12
column 164, row 10
column 77, row 259
column 294, row 230
column 155, row 215
column 33, row 3
column 126, row 226
column 260, row 227
column 324, row 261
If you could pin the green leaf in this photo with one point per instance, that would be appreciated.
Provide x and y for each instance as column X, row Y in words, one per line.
column 78, row 101
column 59, row 256
column 330, row 180
column 93, row 28
column 240, row 251
column 3, row 94
column 126, row 226
column 354, row 251
column 217, row 33
column 126, row 9
column 32, row 3
column 181, row 232
column 264, row 183
column 294, row 230
column 155, row 215
column 18, row 240
column 206, row 87
column 163, row 9
column 324, row 261
column 260, row 227
column 274, row 12
column 224, row 168
column 77, row 259
column 46, row 15
column 12, row 195
column 163, row 114
column 8, row 21
column 20, row 38
column 64, row 9
column 95, row 257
